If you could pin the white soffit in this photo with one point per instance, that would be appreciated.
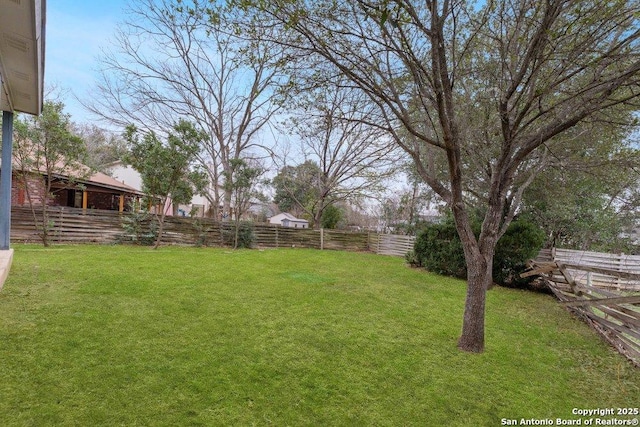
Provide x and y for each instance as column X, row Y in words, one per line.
column 22, row 36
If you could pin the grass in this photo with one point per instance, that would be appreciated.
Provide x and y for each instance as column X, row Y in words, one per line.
column 116, row 335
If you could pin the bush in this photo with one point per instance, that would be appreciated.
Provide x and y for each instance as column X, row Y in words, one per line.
column 521, row 242
column 331, row 216
column 140, row 228
column 411, row 259
column 439, row 249
column 201, row 232
column 246, row 235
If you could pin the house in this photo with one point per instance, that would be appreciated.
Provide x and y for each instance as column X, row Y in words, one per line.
column 200, row 205
column 288, row 220
column 80, row 188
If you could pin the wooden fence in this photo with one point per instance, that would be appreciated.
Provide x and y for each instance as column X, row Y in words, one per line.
column 602, row 289
column 392, row 244
column 606, row 271
column 70, row 225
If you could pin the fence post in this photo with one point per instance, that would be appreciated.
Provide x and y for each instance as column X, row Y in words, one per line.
column 619, row 264
column 60, row 221
column 321, row 238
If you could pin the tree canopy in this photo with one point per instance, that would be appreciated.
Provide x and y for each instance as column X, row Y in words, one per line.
column 46, row 145
column 297, row 187
column 167, row 168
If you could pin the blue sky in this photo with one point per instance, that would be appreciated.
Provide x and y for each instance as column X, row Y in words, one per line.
column 76, row 31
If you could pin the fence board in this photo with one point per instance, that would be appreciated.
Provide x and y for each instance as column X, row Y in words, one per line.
column 391, row 244
column 611, row 307
column 622, row 271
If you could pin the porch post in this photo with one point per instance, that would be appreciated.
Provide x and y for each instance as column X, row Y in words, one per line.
column 5, row 180
column 85, row 199
column 122, row 203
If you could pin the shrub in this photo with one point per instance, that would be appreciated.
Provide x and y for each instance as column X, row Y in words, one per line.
column 411, row 259
column 246, row 235
column 140, row 228
column 201, row 232
column 439, row 249
column 331, row 216
column 521, row 242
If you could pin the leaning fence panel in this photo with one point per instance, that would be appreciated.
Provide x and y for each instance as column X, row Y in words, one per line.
column 602, row 289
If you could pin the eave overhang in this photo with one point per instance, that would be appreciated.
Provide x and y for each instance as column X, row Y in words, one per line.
column 22, row 51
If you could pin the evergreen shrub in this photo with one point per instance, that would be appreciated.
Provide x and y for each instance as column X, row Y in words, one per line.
column 439, row 249
column 246, row 235
column 140, row 227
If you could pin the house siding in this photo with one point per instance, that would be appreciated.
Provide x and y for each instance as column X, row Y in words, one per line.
column 34, row 184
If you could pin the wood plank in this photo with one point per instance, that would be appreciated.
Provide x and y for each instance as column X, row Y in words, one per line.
column 606, row 271
column 614, row 326
column 632, row 318
column 635, row 299
column 540, row 269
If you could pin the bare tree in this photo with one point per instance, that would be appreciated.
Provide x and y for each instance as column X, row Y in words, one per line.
column 187, row 59
column 486, row 83
column 351, row 157
column 103, row 146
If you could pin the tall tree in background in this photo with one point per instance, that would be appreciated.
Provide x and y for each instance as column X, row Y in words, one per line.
column 297, row 188
column 490, row 84
column 175, row 58
column 167, row 168
column 44, row 148
column 103, row 147
column 345, row 157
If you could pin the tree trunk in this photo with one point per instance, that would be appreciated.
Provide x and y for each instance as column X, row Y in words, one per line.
column 215, row 203
column 227, row 194
column 317, row 220
column 237, row 230
column 45, row 211
column 478, row 280
column 478, row 254
column 226, row 206
column 45, row 225
column 31, row 206
column 161, row 223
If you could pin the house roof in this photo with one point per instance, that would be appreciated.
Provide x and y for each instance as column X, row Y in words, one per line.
column 84, row 175
column 104, row 180
column 22, row 40
column 287, row 216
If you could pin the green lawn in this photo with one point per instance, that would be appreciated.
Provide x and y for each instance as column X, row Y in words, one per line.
column 116, row 335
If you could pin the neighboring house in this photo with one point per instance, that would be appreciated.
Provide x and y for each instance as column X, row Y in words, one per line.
column 200, row 205
column 125, row 174
column 79, row 189
column 288, row 220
